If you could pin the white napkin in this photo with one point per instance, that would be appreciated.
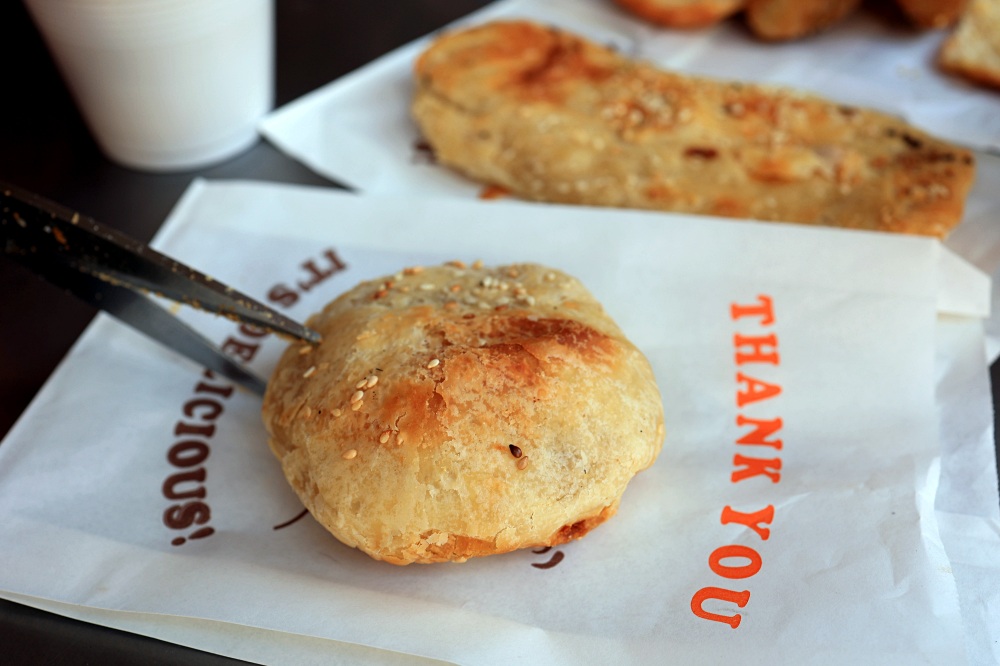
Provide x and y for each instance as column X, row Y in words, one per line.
column 854, row 566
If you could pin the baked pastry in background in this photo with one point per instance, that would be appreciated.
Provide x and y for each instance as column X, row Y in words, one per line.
column 780, row 20
column 776, row 20
column 973, row 49
column 683, row 13
column 550, row 116
column 453, row 412
column 933, row 13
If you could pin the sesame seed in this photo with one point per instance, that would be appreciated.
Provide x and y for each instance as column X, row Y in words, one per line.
column 384, row 438
column 550, row 276
column 357, row 397
column 413, row 270
column 477, row 264
column 522, row 462
column 371, row 381
column 308, row 373
column 433, row 363
column 356, row 406
column 455, row 288
column 399, row 438
column 305, row 349
column 337, row 413
column 515, row 450
column 427, row 286
column 349, row 454
column 361, row 383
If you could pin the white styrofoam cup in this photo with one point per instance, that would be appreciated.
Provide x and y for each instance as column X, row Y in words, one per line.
column 165, row 85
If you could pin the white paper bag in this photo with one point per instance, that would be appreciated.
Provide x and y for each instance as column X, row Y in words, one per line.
column 139, row 487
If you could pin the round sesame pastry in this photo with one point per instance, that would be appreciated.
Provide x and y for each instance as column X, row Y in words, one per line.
column 459, row 411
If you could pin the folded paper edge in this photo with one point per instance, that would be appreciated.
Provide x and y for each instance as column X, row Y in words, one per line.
column 963, row 289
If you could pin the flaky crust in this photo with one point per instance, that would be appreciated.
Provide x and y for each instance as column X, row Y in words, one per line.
column 683, row 13
column 397, row 431
column 973, row 49
column 550, row 116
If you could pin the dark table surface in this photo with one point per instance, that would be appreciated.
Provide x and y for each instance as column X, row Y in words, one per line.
column 45, row 147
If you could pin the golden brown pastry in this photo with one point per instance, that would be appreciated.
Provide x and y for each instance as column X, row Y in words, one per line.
column 683, row 13
column 550, row 116
column 777, row 20
column 453, row 412
column 973, row 49
column 932, row 13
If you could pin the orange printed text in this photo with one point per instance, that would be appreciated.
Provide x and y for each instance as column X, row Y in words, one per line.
column 756, row 459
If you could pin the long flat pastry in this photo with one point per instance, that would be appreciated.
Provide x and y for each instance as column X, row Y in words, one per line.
column 550, row 116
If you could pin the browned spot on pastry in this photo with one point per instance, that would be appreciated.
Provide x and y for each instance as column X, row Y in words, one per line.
column 912, row 141
column 563, row 60
column 729, row 207
column 415, row 408
column 423, row 152
column 493, row 192
column 580, row 528
column 704, row 153
column 544, row 337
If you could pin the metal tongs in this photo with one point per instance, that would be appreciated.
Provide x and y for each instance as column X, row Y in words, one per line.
column 117, row 274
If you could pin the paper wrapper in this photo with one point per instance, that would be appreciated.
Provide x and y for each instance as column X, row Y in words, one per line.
column 826, row 547
column 358, row 131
